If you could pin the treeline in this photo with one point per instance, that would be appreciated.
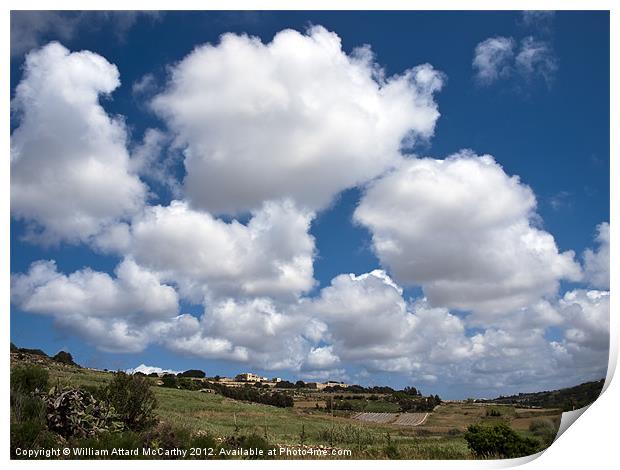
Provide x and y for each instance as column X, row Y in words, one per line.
column 246, row 393
column 253, row 394
column 409, row 400
column 419, row 404
column 567, row 399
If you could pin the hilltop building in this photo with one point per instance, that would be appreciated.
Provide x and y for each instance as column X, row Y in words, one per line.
column 250, row 377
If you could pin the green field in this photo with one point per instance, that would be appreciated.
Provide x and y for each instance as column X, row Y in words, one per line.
column 440, row 437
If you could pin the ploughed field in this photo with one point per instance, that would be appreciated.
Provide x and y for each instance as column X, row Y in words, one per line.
column 398, row 419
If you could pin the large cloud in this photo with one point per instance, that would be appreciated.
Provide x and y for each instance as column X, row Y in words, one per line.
column 367, row 321
column 133, row 292
column 597, row 261
column 70, row 170
column 297, row 117
column 115, row 313
column 463, row 230
column 257, row 332
column 271, row 255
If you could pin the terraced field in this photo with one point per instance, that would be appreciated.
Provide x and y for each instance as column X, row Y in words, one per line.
column 400, row 419
column 411, row 419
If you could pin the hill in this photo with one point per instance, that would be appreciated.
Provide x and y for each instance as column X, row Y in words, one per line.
column 439, row 434
column 567, row 399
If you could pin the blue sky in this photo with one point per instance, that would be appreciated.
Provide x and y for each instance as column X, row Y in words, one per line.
column 548, row 124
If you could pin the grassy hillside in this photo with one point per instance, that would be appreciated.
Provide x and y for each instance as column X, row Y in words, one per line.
column 199, row 413
column 566, row 399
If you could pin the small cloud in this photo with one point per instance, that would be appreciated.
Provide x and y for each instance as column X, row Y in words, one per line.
column 492, row 59
column 560, row 200
column 150, row 369
column 536, row 59
column 30, row 29
column 540, row 20
column 146, row 85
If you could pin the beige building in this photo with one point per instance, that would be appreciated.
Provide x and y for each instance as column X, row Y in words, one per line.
column 322, row 385
column 250, row 377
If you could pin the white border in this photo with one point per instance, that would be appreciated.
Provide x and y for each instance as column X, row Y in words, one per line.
column 590, row 444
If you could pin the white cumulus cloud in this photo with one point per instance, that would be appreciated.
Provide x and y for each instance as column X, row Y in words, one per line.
column 70, row 169
column 597, row 261
column 133, row 292
column 297, row 117
column 270, row 255
column 150, row 369
column 464, row 230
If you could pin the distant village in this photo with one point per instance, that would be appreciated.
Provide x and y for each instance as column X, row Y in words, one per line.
column 244, row 378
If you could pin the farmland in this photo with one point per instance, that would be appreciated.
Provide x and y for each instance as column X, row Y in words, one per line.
column 365, row 434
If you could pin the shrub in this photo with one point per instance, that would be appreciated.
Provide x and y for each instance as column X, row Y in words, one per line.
column 166, row 436
column 188, row 384
column 75, row 412
column 29, row 379
column 64, row 358
column 202, row 440
column 545, row 430
column 391, row 452
column 169, row 381
column 31, row 434
column 109, row 441
column 26, row 406
column 134, row 401
column 347, row 434
column 499, row 441
column 253, row 441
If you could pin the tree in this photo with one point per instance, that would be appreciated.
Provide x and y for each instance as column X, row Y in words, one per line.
column 64, row 357
column 300, row 384
column 193, row 373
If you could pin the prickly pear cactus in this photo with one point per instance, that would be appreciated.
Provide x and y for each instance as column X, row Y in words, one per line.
column 75, row 412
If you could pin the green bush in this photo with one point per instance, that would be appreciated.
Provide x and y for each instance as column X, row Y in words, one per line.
column 108, row 441
column 29, row 379
column 347, row 434
column 134, row 401
column 31, row 434
column 545, row 430
column 169, row 381
column 188, row 384
column 166, row 436
column 26, row 406
column 253, row 441
column 499, row 441
column 391, row 452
